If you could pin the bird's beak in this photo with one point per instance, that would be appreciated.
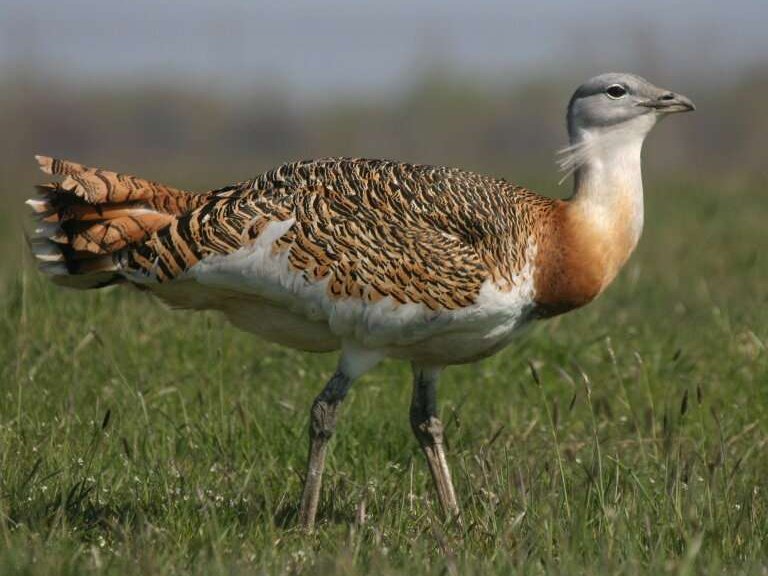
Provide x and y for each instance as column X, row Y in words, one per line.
column 669, row 102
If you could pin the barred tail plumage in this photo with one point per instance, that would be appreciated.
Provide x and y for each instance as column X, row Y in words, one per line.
column 87, row 218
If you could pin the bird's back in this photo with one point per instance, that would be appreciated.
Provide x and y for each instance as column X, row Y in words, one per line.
column 383, row 252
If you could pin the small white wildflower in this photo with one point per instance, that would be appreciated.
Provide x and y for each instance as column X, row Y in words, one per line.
column 80, row 462
column 489, row 495
column 299, row 555
column 43, row 488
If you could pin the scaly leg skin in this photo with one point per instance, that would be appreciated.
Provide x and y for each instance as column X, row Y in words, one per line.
column 429, row 432
column 321, row 426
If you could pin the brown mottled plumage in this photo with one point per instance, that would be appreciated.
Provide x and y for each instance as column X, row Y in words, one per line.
column 419, row 234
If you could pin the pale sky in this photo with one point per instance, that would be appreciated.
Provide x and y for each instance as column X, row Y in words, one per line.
column 323, row 48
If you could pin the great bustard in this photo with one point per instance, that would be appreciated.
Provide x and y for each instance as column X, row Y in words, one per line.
column 379, row 259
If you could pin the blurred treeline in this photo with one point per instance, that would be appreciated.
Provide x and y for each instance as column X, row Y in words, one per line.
column 203, row 136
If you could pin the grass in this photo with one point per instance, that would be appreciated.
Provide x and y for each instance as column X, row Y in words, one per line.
column 629, row 437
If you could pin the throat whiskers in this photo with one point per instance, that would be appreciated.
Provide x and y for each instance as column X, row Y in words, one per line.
column 572, row 157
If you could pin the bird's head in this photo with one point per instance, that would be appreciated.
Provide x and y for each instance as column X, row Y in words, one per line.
column 622, row 101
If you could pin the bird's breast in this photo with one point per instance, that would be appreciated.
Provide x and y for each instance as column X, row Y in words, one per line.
column 579, row 255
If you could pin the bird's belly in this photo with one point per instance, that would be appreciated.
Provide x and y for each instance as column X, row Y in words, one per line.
column 251, row 313
column 264, row 295
column 281, row 326
column 457, row 342
column 463, row 345
column 409, row 332
column 455, row 338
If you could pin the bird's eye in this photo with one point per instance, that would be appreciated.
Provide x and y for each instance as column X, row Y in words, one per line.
column 616, row 91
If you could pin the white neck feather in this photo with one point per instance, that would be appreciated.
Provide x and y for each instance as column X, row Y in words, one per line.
column 608, row 183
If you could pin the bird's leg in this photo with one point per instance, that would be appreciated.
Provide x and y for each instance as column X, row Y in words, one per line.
column 429, row 432
column 322, row 422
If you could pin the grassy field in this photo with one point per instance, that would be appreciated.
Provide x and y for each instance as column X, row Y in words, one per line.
column 138, row 440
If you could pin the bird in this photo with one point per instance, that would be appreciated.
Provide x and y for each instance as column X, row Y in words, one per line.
column 376, row 259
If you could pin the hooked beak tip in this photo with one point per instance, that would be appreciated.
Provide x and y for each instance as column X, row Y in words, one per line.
column 670, row 102
column 687, row 104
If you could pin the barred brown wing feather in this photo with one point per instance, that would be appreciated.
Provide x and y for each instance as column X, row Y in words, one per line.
column 370, row 261
column 97, row 186
column 372, row 228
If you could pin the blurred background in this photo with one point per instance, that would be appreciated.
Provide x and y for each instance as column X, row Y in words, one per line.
column 200, row 94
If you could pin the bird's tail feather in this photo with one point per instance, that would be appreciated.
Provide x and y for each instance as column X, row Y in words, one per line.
column 87, row 218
